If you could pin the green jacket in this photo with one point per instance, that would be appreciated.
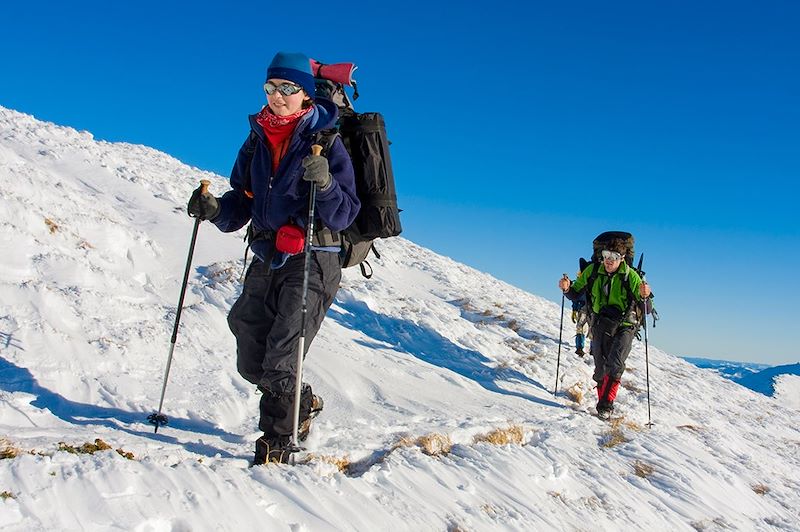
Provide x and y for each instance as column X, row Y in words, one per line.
column 602, row 295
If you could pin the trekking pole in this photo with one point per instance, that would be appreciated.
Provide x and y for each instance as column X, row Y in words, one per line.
column 316, row 149
column 646, row 359
column 157, row 418
column 560, row 330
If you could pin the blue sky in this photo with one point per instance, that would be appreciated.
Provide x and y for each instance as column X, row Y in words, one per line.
column 518, row 132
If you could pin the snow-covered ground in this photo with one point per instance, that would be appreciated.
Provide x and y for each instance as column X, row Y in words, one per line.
column 425, row 369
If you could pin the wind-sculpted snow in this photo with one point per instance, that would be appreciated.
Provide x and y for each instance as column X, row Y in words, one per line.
column 425, row 370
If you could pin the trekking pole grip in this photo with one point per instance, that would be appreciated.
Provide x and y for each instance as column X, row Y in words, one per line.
column 316, row 149
column 204, row 184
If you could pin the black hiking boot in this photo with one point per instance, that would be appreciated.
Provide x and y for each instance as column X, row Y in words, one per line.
column 305, row 427
column 580, row 352
column 272, row 449
column 605, row 409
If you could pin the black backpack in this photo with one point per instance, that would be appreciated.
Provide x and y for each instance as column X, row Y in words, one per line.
column 364, row 138
column 601, row 242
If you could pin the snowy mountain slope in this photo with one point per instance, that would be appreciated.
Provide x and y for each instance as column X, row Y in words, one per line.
column 787, row 390
column 416, row 366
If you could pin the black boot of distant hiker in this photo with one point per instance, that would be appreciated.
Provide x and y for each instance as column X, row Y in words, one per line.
column 272, row 449
column 605, row 408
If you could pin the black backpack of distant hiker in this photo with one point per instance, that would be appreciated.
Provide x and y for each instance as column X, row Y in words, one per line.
column 364, row 138
column 601, row 242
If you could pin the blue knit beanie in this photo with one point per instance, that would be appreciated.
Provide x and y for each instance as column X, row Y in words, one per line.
column 292, row 67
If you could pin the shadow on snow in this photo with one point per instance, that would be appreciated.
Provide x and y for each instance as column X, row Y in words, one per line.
column 431, row 347
column 14, row 378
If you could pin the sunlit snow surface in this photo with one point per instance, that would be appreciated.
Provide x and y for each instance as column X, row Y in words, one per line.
column 93, row 240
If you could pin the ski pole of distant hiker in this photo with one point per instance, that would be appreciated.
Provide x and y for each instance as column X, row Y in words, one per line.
column 316, row 149
column 560, row 330
column 157, row 418
column 646, row 356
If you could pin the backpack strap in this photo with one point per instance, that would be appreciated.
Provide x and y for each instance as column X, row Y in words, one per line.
column 364, row 262
column 326, row 138
column 626, row 286
column 589, row 284
column 250, row 150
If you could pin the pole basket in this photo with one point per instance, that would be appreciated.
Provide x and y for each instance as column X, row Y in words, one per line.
column 157, row 419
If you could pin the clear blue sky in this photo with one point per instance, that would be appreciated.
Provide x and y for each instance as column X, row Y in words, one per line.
column 520, row 130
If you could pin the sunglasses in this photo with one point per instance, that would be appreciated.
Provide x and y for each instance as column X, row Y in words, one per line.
column 287, row 89
column 611, row 255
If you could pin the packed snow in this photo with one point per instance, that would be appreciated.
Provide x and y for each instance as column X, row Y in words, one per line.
column 437, row 380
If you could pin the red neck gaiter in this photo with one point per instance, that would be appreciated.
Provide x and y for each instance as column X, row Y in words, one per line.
column 278, row 130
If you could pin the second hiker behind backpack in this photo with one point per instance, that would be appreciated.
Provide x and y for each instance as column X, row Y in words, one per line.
column 613, row 289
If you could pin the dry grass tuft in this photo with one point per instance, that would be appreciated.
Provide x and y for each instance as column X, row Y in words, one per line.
column 91, row 448
column 86, row 448
column 488, row 509
column 51, row 225
column 761, row 489
column 7, row 495
column 435, row 444
column 643, row 469
column 129, row 455
column 617, row 423
column 431, row 444
column 514, row 325
column 632, row 425
column 516, row 344
column 7, row 450
column 718, row 523
column 405, row 441
column 466, row 305
column 614, row 437
column 693, row 428
column 512, row 434
column 575, row 392
column 343, row 464
column 631, row 387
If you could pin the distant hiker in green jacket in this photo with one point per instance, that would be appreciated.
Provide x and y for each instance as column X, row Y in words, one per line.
column 614, row 290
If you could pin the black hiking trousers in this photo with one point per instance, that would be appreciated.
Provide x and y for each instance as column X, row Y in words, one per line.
column 610, row 348
column 266, row 321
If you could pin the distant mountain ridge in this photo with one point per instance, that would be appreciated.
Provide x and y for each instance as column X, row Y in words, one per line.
column 761, row 378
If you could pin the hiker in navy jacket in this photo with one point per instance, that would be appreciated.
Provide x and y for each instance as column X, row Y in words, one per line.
column 271, row 182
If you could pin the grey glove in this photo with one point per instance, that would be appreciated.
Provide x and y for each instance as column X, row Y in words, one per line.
column 203, row 206
column 316, row 170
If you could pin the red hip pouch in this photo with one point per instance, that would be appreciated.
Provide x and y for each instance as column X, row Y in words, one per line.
column 290, row 239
